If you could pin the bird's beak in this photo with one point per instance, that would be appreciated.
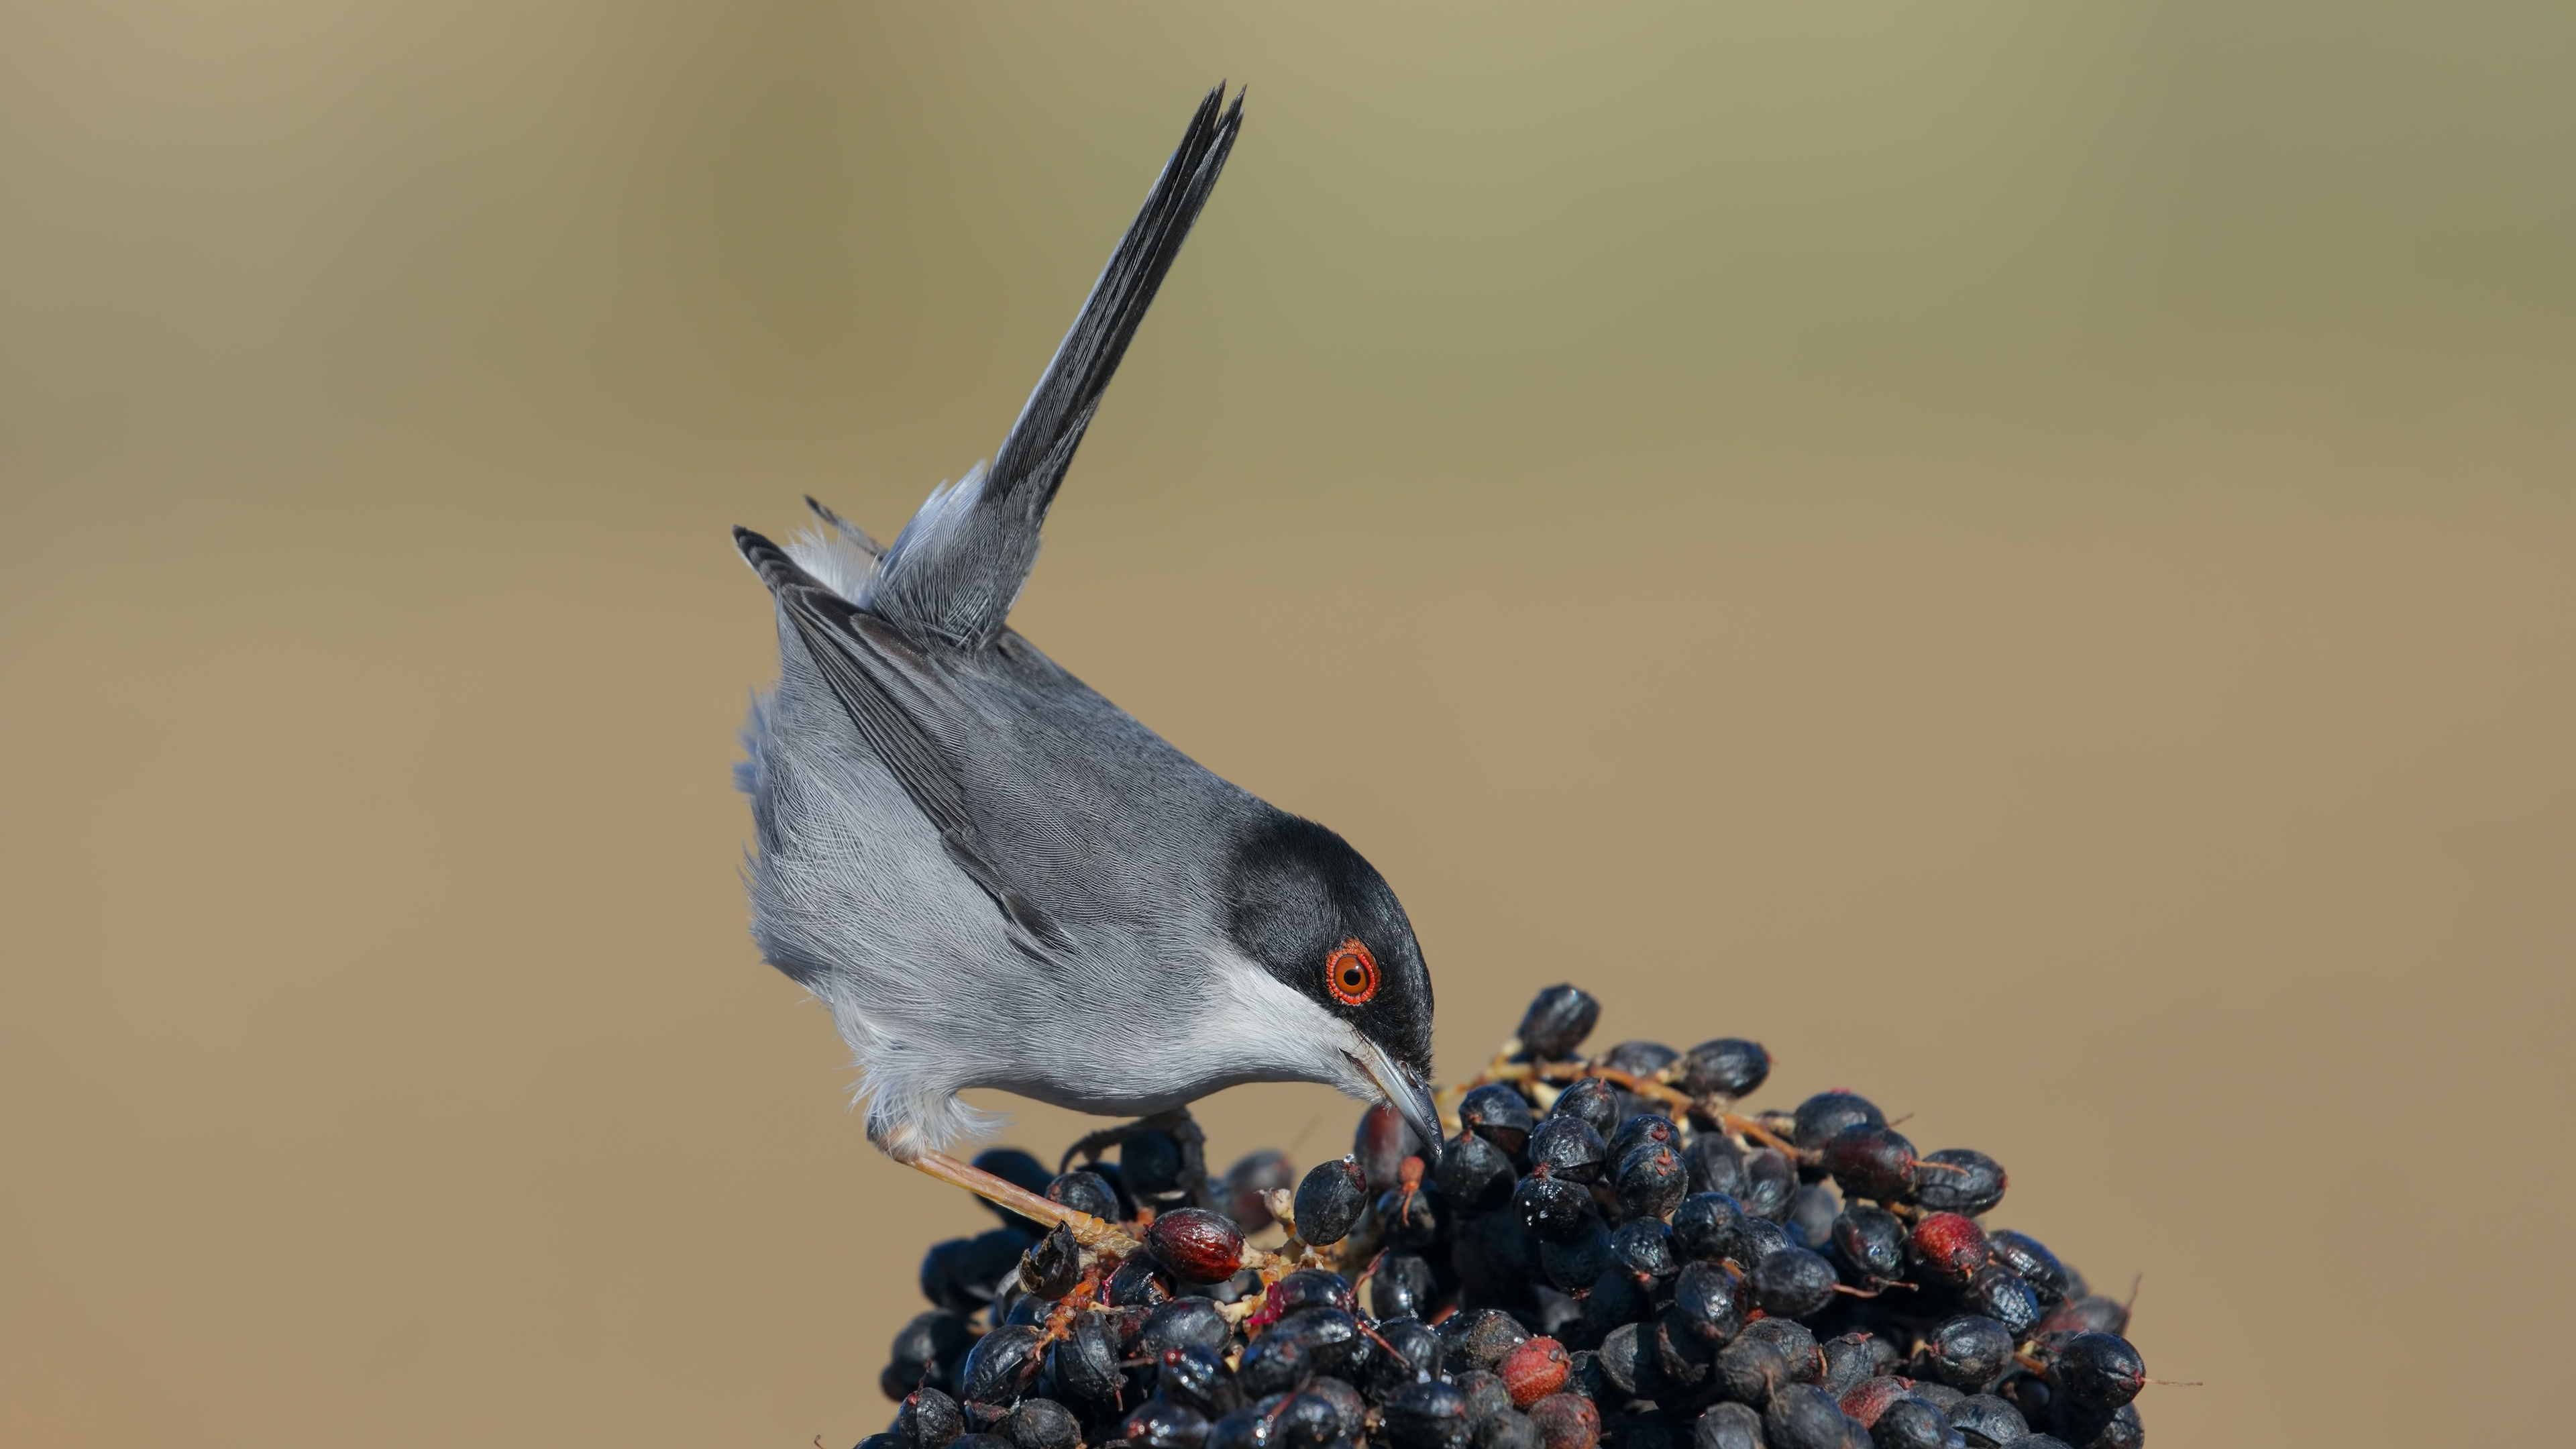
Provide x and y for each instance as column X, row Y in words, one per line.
column 1407, row 1095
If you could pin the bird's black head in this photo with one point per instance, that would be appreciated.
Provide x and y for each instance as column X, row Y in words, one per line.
column 1322, row 921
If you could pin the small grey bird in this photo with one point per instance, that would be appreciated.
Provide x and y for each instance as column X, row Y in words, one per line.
column 994, row 877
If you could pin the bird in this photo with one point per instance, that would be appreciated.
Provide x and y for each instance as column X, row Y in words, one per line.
column 993, row 877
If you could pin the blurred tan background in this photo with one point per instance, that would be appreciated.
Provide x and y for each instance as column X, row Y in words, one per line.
column 2019, row 553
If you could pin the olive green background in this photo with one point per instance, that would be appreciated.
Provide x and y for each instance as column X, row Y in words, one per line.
column 2018, row 553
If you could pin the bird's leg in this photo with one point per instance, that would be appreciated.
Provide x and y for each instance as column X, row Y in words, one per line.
column 1194, row 1174
column 1182, row 1128
column 1090, row 1145
column 1087, row 1230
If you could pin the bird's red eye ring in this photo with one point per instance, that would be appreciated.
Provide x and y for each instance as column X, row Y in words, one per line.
column 1350, row 973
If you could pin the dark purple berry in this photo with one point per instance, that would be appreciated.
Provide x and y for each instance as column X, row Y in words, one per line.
column 2000, row 1294
column 928, row 1351
column 1640, row 1129
column 1968, row 1352
column 2037, row 1266
column 1330, row 1200
column 1498, row 1113
column 1003, row 1362
column 1640, row 1058
column 1644, row 1247
column 963, row 1274
column 1402, row 1287
column 1872, row 1162
column 1870, row 1243
column 1509, row 1429
column 1716, row 1165
column 1705, row 1224
column 1479, row 1337
column 1566, row 1421
column 1616, row 1298
column 1042, row 1424
column 2097, row 1370
column 1797, row 1345
column 1484, row 1393
column 1682, row 1356
column 1334, row 1343
column 1557, row 1022
column 1136, row 1283
column 1310, row 1288
column 1475, row 1174
column 1987, row 1422
column 1823, row 1115
column 1811, row 1215
column 1627, row 1359
column 1348, row 1407
column 1572, row 1264
column 1162, row 1424
column 1770, row 1184
column 1959, row 1180
column 1728, row 1067
column 1651, row 1182
column 1085, row 1192
column 1793, row 1283
column 1593, row 1099
column 1568, row 1147
column 1246, row 1428
column 1710, row 1301
column 1910, row 1424
column 1183, row 1323
column 1802, row 1416
column 1410, row 1351
column 1274, row 1363
column 1426, row 1416
column 2088, row 1313
column 1305, row 1421
column 1855, row 1358
column 1085, row 1362
column 1727, row 1426
column 1196, row 1375
column 1749, row 1369
column 1553, row 1208
column 928, row 1419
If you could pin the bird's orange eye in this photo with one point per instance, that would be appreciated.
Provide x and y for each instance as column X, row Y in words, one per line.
column 1350, row 973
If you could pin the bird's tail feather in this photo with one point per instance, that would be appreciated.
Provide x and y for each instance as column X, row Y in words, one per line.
column 957, row 568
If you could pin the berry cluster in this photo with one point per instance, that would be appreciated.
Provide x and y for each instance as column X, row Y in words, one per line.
column 1605, row 1253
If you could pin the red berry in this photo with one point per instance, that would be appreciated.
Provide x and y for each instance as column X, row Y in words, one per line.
column 1869, row 1398
column 1198, row 1246
column 1566, row 1421
column 1949, row 1246
column 1534, row 1369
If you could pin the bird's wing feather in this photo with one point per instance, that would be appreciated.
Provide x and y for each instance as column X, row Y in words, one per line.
column 886, row 689
column 951, row 577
